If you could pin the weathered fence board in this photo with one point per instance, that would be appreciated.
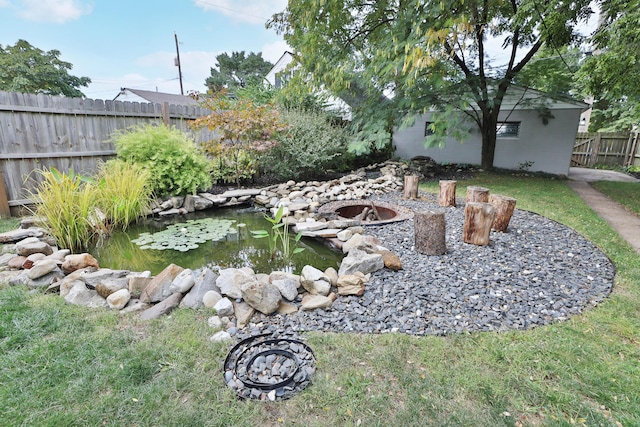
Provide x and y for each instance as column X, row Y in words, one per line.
column 40, row 131
column 612, row 149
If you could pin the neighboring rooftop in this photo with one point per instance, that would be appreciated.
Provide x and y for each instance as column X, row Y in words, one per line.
column 138, row 95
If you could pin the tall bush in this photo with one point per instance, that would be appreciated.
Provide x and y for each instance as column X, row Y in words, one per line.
column 309, row 147
column 174, row 162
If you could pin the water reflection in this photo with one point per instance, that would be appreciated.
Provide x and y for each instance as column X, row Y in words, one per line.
column 238, row 250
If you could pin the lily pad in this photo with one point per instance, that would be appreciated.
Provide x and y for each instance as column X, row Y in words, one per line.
column 187, row 235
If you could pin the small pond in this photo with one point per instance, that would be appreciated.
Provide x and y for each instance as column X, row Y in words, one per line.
column 238, row 249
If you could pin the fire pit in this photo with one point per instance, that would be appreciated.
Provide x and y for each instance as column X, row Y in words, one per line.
column 369, row 213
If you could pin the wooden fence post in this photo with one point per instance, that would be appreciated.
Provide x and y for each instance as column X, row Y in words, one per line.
column 595, row 151
column 5, row 211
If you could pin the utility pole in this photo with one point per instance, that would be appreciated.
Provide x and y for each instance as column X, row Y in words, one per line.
column 177, row 62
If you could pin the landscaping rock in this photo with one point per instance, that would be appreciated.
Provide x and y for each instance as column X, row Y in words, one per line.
column 220, row 336
column 108, row 286
column 243, row 313
column 79, row 294
column 204, row 283
column 264, row 297
column 162, row 308
column 158, row 288
column 75, row 262
column 224, row 307
column 119, row 299
column 42, row 267
column 315, row 281
column 230, row 281
column 361, row 261
column 352, row 284
column 31, row 259
column 312, row 302
column 210, row 299
column 16, row 262
column 183, row 282
column 32, row 245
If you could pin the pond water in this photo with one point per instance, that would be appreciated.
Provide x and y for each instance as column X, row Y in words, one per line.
column 238, row 249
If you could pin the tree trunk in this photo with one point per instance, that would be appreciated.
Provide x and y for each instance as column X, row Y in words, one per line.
column 504, row 207
column 477, row 194
column 447, row 195
column 411, row 183
column 430, row 232
column 488, row 129
column 478, row 218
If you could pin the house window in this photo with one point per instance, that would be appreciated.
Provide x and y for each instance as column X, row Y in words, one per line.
column 428, row 131
column 508, row 129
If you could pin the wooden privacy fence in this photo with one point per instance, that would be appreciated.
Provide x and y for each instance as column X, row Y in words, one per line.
column 612, row 149
column 42, row 131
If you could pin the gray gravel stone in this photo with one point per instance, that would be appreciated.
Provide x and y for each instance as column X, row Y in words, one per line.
column 538, row 272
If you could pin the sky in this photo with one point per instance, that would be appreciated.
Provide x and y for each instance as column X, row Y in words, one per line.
column 131, row 43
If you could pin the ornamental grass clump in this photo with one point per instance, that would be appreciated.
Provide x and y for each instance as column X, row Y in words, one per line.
column 78, row 209
column 175, row 164
column 124, row 192
column 67, row 204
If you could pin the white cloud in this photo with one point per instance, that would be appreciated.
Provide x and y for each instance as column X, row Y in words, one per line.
column 5, row 3
column 56, row 11
column 273, row 51
column 252, row 11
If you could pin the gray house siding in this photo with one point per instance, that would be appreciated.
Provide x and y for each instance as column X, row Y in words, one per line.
column 549, row 146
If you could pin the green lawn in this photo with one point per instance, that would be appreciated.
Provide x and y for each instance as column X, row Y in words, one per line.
column 66, row 365
column 625, row 193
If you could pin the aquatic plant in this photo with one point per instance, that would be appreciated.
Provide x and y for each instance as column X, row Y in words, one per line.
column 279, row 233
column 187, row 235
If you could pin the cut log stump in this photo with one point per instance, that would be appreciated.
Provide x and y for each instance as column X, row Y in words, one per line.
column 411, row 183
column 477, row 194
column 447, row 195
column 504, row 207
column 478, row 219
column 430, row 232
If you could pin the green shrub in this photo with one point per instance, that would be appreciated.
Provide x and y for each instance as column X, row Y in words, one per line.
column 174, row 163
column 67, row 202
column 309, row 147
column 223, row 163
column 124, row 192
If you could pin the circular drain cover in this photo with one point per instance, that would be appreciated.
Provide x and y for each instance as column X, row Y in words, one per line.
column 266, row 367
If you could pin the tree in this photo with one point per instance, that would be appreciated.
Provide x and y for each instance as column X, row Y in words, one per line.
column 237, row 70
column 241, row 126
column 611, row 75
column 25, row 68
column 427, row 54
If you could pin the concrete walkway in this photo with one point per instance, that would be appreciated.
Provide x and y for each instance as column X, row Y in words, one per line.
column 626, row 223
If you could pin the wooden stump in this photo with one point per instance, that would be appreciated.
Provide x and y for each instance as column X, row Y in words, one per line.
column 478, row 218
column 411, row 183
column 504, row 207
column 430, row 232
column 447, row 195
column 477, row 194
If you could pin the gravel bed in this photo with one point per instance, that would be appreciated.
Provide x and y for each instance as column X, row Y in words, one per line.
column 538, row 272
